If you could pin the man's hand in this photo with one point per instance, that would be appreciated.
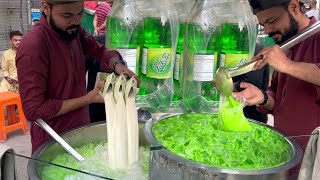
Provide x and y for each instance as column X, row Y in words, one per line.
column 96, row 31
column 93, row 96
column 10, row 80
column 121, row 69
column 251, row 94
column 274, row 56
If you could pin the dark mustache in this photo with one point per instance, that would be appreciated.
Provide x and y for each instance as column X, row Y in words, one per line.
column 73, row 27
column 274, row 33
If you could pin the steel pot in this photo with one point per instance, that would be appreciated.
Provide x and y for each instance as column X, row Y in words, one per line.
column 165, row 165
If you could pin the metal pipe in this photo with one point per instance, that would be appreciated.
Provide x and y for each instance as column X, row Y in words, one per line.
column 301, row 36
column 306, row 33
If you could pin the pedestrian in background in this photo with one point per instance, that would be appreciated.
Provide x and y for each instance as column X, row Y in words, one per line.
column 99, row 21
column 8, row 64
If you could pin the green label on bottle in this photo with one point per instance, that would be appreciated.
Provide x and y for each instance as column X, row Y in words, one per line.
column 159, row 63
column 233, row 60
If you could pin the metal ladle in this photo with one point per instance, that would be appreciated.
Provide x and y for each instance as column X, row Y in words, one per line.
column 223, row 78
column 59, row 140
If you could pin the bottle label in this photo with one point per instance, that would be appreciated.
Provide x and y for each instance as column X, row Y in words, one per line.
column 233, row 60
column 144, row 61
column 203, row 68
column 159, row 63
column 130, row 56
column 178, row 66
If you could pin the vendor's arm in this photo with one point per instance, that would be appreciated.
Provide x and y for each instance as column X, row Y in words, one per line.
column 98, row 51
column 305, row 71
column 254, row 96
column 73, row 104
column 277, row 59
column 109, row 60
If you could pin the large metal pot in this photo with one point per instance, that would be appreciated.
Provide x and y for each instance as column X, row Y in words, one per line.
column 165, row 165
column 95, row 132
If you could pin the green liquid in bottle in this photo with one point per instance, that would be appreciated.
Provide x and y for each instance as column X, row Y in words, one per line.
column 234, row 45
column 199, row 93
column 123, row 35
column 156, row 63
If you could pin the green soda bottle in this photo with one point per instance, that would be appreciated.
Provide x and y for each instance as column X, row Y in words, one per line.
column 238, row 33
column 202, row 37
column 157, row 58
column 124, row 28
column 234, row 45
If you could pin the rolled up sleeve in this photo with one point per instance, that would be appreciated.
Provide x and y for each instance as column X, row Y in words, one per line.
column 33, row 69
column 97, row 51
column 272, row 89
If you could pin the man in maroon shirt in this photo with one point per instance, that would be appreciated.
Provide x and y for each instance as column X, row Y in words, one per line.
column 294, row 95
column 51, row 70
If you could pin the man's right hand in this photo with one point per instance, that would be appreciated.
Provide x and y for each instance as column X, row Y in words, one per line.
column 251, row 95
column 124, row 70
column 96, row 32
column 10, row 80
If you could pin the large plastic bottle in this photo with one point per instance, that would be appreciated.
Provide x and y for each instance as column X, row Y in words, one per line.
column 183, row 7
column 199, row 94
column 220, row 29
column 237, row 34
column 124, row 28
column 160, row 25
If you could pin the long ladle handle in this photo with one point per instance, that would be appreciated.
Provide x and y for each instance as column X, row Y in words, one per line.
column 241, row 69
column 59, row 140
column 285, row 46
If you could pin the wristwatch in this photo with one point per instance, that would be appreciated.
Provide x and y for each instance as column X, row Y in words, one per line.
column 118, row 61
column 266, row 97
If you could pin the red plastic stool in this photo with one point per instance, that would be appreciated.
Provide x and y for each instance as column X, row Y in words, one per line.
column 10, row 100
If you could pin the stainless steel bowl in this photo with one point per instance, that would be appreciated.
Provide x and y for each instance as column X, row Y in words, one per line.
column 166, row 165
column 95, row 132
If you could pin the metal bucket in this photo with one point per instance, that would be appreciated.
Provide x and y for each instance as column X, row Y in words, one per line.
column 165, row 165
column 95, row 132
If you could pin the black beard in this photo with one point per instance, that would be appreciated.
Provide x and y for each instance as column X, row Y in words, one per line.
column 64, row 34
column 293, row 30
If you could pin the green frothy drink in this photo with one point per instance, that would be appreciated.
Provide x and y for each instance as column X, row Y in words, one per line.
column 199, row 93
column 231, row 117
column 156, row 63
column 96, row 162
column 234, row 45
column 196, row 137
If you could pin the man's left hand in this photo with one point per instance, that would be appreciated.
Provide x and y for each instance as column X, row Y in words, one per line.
column 274, row 56
column 121, row 69
column 93, row 96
